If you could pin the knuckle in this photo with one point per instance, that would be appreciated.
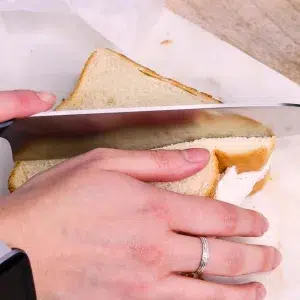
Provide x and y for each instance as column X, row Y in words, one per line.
column 92, row 277
column 235, row 261
column 218, row 293
column 96, row 159
column 162, row 159
column 134, row 290
column 248, row 291
column 89, row 167
column 268, row 254
column 96, row 154
column 257, row 225
column 158, row 209
column 149, row 254
column 258, row 291
column 230, row 219
column 23, row 98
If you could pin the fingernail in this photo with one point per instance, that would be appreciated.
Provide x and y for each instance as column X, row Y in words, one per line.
column 266, row 224
column 49, row 98
column 261, row 292
column 196, row 155
column 277, row 259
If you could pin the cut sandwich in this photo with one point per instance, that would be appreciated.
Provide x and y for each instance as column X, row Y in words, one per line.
column 244, row 154
column 109, row 80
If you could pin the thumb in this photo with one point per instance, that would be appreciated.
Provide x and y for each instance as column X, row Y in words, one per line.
column 22, row 103
column 149, row 166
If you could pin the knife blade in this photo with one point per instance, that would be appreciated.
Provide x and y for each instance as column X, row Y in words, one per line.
column 282, row 118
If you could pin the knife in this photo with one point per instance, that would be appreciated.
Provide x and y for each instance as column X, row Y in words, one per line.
column 282, row 118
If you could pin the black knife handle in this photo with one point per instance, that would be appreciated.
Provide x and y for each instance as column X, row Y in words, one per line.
column 4, row 126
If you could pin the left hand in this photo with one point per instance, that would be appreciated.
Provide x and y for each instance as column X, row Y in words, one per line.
column 22, row 103
column 94, row 230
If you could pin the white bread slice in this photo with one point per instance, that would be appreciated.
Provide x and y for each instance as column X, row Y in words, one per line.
column 110, row 79
column 238, row 151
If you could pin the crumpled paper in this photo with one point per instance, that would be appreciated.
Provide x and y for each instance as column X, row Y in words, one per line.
column 136, row 16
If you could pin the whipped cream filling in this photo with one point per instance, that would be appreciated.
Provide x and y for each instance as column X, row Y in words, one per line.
column 234, row 188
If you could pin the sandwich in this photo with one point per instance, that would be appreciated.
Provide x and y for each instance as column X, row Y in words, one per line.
column 111, row 80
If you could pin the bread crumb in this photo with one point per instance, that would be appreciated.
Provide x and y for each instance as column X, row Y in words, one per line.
column 111, row 101
column 166, row 42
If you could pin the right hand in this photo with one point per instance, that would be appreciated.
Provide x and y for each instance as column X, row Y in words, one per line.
column 94, row 230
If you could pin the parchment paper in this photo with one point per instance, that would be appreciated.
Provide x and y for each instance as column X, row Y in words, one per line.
column 46, row 51
column 135, row 16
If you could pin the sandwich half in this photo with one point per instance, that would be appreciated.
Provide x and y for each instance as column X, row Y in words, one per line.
column 110, row 79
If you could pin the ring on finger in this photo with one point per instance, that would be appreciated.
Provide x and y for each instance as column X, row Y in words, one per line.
column 204, row 256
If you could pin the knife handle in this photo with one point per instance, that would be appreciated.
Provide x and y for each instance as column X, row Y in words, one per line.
column 5, row 125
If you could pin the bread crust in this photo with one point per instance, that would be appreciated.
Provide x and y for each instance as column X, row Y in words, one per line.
column 261, row 184
column 63, row 105
column 247, row 162
column 210, row 193
column 11, row 180
column 253, row 160
column 143, row 70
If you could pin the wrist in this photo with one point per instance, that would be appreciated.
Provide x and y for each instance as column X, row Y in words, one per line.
column 13, row 232
column 11, row 225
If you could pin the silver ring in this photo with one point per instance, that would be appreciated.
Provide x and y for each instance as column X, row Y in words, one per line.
column 205, row 255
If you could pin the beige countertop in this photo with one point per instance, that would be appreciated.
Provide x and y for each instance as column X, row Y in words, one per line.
column 268, row 30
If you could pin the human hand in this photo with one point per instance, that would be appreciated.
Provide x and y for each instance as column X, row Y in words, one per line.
column 94, row 230
column 18, row 104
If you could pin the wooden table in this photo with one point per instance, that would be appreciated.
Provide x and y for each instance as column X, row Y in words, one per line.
column 268, row 30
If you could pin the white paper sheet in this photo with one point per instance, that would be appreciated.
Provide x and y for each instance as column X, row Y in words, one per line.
column 136, row 16
column 45, row 51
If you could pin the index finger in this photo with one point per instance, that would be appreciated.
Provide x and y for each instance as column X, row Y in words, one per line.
column 206, row 217
column 18, row 104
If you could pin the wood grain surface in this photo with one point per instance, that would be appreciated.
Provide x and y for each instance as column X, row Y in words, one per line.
column 268, row 30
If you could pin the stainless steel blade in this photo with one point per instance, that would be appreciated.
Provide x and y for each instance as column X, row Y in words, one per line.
column 283, row 119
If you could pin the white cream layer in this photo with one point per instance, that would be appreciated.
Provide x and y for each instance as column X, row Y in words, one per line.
column 234, row 188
